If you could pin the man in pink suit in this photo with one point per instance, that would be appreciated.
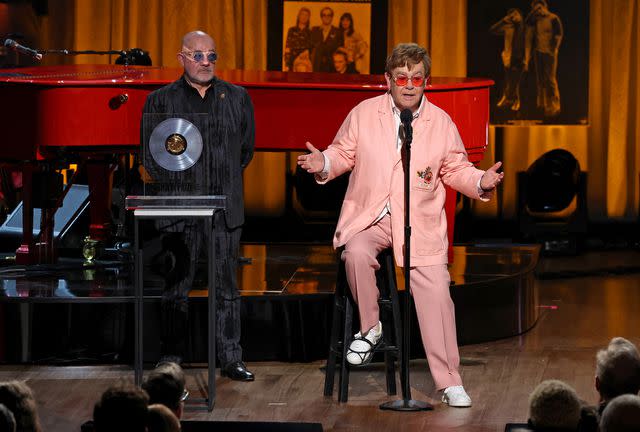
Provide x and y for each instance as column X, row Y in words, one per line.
column 372, row 218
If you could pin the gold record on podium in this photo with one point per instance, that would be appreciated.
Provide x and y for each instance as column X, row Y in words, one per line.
column 175, row 144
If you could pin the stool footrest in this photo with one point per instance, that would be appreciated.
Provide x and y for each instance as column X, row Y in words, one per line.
column 388, row 348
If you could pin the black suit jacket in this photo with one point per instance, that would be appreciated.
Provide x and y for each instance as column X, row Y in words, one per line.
column 231, row 137
column 323, row 49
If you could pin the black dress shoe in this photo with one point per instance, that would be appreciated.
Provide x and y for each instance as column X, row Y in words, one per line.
column 237, row 371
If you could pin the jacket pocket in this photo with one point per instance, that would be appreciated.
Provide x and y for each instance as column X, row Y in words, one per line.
column 427, row 240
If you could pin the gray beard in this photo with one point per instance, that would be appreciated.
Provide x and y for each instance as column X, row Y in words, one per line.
column 194, row 80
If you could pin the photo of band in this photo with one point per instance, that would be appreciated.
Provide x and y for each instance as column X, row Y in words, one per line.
column 537, row 54
column 326, row 36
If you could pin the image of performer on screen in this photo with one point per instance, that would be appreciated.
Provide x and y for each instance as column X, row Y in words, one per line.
column 302, row 63
column 355, row 45
column 325, row 39
column 511, row 27
column 231, row 145
column 298, row 39
column 369, row 146
column 543, row 35
column 341, row 62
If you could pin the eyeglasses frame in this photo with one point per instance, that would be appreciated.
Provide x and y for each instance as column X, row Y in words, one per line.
column 395, row 80
column 191, row 54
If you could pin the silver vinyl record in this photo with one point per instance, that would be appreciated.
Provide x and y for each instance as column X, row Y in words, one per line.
column 175, row 144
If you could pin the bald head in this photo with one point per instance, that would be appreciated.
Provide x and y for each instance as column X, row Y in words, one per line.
column 198, row 57
column 195, row 37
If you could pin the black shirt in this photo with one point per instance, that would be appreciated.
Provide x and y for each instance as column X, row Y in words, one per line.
column 228, row 134
column 194, row 100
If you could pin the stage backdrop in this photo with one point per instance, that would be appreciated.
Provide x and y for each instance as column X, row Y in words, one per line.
column 609, row 148
column 537, row 52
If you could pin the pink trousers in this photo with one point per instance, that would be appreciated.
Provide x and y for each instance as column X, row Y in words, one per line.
column 430, row 289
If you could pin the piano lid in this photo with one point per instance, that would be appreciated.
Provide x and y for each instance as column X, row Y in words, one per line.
column 101, row 75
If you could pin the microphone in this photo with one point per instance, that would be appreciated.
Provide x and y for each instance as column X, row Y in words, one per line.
column 406, row 117
column 10, row 43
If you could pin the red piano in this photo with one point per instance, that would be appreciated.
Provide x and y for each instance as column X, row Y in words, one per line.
column 92, row 113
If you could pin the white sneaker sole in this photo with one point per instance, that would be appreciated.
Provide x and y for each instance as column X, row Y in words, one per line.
column 456, row 405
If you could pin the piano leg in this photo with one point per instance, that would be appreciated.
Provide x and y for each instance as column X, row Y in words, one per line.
column 23, row 254
column 100, row 176
column 30, row 251
column 99, row 173
column 45, row 246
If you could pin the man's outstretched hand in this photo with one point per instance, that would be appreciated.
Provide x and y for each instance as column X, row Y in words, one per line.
column 311, row 162
column 492, row 177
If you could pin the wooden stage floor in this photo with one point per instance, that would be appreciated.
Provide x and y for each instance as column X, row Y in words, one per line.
column 584, row 302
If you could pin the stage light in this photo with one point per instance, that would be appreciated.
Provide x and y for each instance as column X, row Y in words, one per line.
column 552, row 208
column 552, row 181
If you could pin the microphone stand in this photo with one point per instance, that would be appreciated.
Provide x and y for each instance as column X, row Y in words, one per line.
column 128, row 56
column 406, row 403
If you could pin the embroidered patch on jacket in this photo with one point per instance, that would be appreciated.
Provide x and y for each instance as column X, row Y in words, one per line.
column 426, row 178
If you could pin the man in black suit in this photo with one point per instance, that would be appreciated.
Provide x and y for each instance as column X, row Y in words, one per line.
column 230, row 141
column 325, row 40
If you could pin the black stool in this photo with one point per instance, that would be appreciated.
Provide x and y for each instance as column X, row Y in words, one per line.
column 342, row 326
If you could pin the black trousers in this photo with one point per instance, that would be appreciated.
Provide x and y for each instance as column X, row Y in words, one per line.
column 182, row 243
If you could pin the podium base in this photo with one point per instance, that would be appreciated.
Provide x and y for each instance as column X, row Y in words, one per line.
column 406, row 405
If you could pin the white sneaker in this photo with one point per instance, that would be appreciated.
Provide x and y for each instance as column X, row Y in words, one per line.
column 361, row 349
column 455, row 396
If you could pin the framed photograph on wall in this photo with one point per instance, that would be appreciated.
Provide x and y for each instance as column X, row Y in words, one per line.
column 537, row 52
column 336, row 36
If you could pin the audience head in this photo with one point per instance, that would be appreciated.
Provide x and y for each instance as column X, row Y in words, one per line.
column 166, row 385
column 7, row 421
column 622, row 414
column 162, row 419
column 121, row 408
column 617, row 369
column 17, row 397
column 554, row 404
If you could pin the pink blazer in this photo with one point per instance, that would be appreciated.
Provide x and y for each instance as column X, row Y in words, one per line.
column 366, row 145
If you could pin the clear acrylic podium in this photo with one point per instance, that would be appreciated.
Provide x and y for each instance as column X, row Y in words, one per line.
column 179, row 207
